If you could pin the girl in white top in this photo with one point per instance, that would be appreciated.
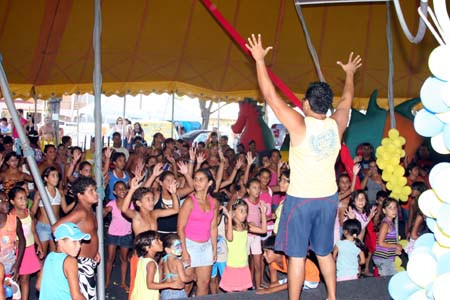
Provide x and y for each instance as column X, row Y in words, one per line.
column 51, row 180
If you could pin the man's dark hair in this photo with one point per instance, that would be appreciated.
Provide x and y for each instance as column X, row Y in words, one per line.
column 48, row 146
column 319, row 96
column 224, row 137
column 116, row 134
column 81, row 184
column 65, row 139
column 201, row 143
column 115, row 156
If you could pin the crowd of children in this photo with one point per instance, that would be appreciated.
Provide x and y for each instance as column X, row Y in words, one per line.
column 185, row 220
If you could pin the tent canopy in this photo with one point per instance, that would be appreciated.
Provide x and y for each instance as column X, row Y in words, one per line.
column 176, row 46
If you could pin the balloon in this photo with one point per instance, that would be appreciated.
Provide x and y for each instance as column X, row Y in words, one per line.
column 399, row 171
column 441, row 287
column 443, row 264
column 446, row 134
column 419, row 295
column 425, row 240
column 441, row 237
column 385, row 141
column 389, row 185
column 442, row 186
column 393, row 160
column 444, row 117
column 439, row 251
column 406, row 190
column 445, row 93
column 401, row 287
column 439, row 63
column 402, row 181
column 393, row 133
column 422, row 267
column 430, row 99
column 386, row 176
column 443, row 219
column 431, row 223
column 429, row 291
column 437, row 142
column 427, row 124
column 436, row 170
column 429, row 204
column 389, row 169
column 404, row 197
column 402, row 140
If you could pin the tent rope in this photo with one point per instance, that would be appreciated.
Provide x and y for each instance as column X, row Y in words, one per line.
column 391, row 65
column 422, row 27
column 311, row 48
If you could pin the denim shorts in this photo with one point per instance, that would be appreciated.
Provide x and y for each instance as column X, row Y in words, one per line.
column 125, row 241
column 44, row 231
column 218, row 268
column 307, row 221
column 201, row 253
column 173, row 294
column 386, row 266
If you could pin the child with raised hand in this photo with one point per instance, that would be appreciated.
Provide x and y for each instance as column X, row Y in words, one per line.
column 144, row 217
column 360, row 210
column 387, row 247
column 11, row 255
column 83, row 216
column 147, row 283
column 255, row 217
column 58, row 201
column 118, row 173
column 172, row 267
column 348, row 250
column 119, row 235
column 30, row 263
column 59, row 278
column 236, row 276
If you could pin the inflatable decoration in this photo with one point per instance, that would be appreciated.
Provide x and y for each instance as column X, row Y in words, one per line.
column 375, row 123
column 427, row 275
column 251, row 118
column 388, row 159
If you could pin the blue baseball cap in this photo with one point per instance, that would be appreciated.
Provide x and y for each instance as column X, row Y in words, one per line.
column 71, row 231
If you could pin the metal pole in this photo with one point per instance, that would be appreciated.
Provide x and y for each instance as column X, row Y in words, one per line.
column 35, row 111
column 98, row 148
column 77, row 103
column 218, row 115
column 123, row 117
column 28, row 152
column 173, row 113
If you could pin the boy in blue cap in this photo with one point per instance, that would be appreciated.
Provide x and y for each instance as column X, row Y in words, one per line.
column 59, row 278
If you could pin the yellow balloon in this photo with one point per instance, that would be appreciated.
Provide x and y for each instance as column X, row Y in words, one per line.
column 406, row 190
column 389, row 185
column 393, row 133
column 385, row 142
column 402, row 153
column 402, row 181
column 404, row 197
column 386, row 175
column 397, row 142
column 389, row 169
column 402, row 140
column 394, row 160
column 399, row 170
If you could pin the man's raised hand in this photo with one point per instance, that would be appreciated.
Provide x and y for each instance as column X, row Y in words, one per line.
column 352, row 65
column 255, row 46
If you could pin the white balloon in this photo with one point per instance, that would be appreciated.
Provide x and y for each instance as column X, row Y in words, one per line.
column 441, row 237
column 442, row 185
column 445, row 93
column 443, row 219
column 422, row 267
column 430, row 99
column 434, row 173
column 419, row 295
column 437, row 142
column 444, row 117
column 438, row 250
column 429, row 204
column 439, row 62
column 441, row 287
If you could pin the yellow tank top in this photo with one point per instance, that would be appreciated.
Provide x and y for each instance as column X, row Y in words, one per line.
column 27, row 230
column 237, row 250
column 140, row 290
column 312, row 162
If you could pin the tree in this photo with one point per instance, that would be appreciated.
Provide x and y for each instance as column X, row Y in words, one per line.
column 205, row 110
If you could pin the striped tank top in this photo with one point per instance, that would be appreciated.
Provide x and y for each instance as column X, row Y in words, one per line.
column 391, row 238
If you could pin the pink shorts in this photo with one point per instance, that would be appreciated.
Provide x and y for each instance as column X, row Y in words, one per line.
column 345, row 278
column 30, row 262
column 254, row 244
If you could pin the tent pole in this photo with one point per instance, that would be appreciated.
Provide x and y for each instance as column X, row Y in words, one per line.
column 173, row 113
column 28, row 152
column 123, row 117
column 218, row 116
column 98, row 148
column 35, row 111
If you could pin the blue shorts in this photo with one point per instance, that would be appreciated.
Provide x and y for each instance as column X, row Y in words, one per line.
column 173, row 294
column 44, row 231
column 307, row 221
column 125, row 241
column 218, row 268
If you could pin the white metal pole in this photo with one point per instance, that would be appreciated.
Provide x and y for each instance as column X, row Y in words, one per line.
column 98, row 147
column 173, row 113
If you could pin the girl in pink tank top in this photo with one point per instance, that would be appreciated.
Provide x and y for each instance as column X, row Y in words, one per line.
column 197, row 229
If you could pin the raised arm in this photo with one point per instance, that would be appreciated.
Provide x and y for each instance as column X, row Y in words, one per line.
column 108, row 153
column 72, row 165
column 219, row 176
column 230, row 179
column 229, row 224
column 263, row 229
column 160, row 213
column 157, row 170
column 125, row 209
column 189, row 186
column 292, row 120
column 250, row 161
column 342, row 111
column 66, row 208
